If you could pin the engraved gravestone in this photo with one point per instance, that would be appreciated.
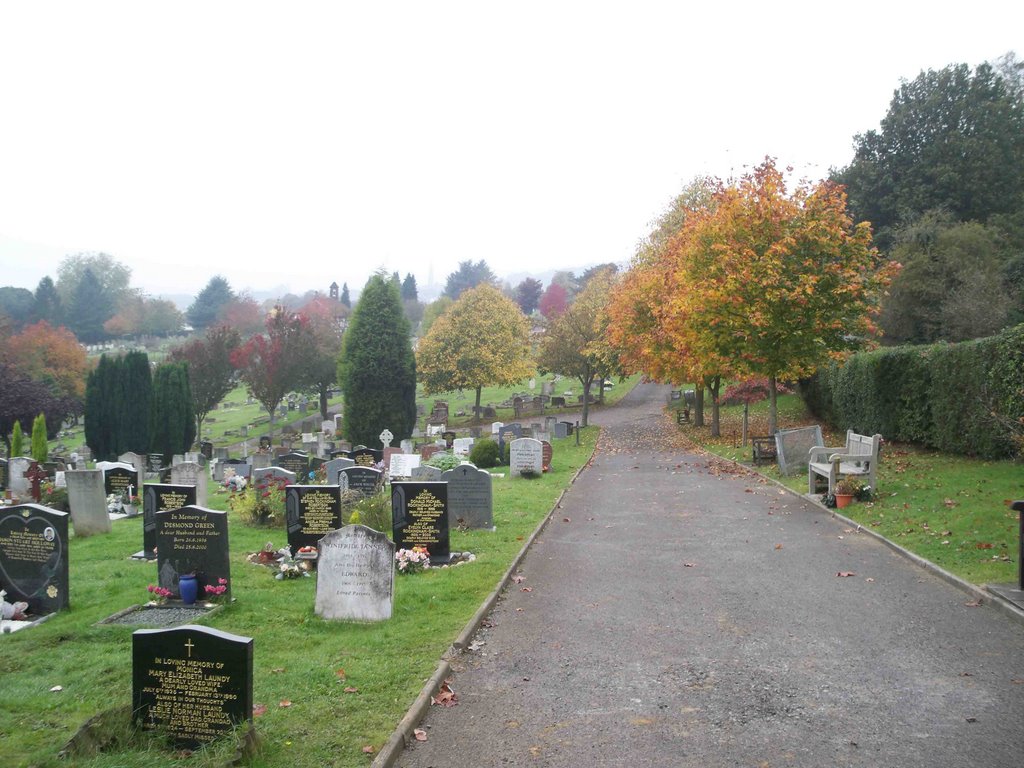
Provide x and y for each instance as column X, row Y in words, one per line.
column 190, row 473
column 462, row 445
column 265, row 475
column 295, row 462
column 334, row 467
column 367, row 457
column 193, row 539
column 138, row 462
column 311, row 512
column 525, row 456
column 366, row 480
column 87, row 502
column 117, row 476
column 17, row 466
column 561, row 432
column 355, row 575
column 419, row 518
column 160, row 497
column 470, row 497
column 426, row 472
column 34, row 556
column 194, row 682
column 403, row 464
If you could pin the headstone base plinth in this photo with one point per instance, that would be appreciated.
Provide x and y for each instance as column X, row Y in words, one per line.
column 7, row 626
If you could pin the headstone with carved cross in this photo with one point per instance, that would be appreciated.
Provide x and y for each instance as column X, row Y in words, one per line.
column 386, row 437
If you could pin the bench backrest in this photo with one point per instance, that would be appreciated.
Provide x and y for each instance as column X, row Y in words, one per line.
column 792, row 447
column 862, row 445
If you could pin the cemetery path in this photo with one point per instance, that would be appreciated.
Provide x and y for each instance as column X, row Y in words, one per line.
column 686, row 613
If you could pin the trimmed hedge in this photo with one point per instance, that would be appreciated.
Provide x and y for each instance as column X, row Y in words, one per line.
column 959, row 398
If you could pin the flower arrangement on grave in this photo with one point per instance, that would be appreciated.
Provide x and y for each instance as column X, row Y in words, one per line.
column 132, row 499
column 213, row 593
column 413, row 560
column 12, row 611
column 260, row 503
column 160, row 594
column 319, row 475
column 114, row 502
column 53, row 497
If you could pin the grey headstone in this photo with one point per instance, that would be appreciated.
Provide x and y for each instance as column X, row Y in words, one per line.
column 87, row 501
column 525, row 455
column 561, row 430
column 260, row 461
column 272, row 472
column 355, row 575
column 334, row 467
column 470, row 497
column 426, row 472
column 190, row 473
column 17, row 482
column 462, row 445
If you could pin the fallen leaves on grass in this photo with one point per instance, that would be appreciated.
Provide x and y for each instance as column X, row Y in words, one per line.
column 259, row 709
column 350, row 689
column 341, row 675
column 369, row 749
column 284, row 704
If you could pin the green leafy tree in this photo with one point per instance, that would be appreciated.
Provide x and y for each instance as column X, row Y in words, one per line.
column 135, row 394
column 528, row 294
column 48, row 305
column 409, row 291
column 40, row 450
column 210, row 372
column 953, row 140
column 17, row 440
column 432, row 311
column 206, row 309
column 18, row 304
column 377, row 368
column 112, row 276
column 90, row 307
column 326, row 326
column 468, row 275
column 574, row 344
column 484, row 339
column 102, row 389
column 172, row 425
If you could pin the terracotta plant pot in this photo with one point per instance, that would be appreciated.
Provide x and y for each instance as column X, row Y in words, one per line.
column 843, row 500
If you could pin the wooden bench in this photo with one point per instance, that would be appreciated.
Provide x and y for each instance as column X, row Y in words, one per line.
column 764, row 449
column 858, row 457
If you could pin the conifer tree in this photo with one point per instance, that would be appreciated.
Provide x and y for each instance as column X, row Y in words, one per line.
column 135, row 393
column 377, row 369
column 172, row 426
column 16, row 439
column 40, row 450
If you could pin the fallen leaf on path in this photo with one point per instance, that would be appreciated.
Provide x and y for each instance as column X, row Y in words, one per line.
column 518, row 579
column 870, row 580
column 778, row 546
column 973, row 604
column 566, row 519
column 688, row 565
column 1017, row 682
column 419, row 734
column 445, row 696
column 971, row 719
column 526, row 589
column 845, row 574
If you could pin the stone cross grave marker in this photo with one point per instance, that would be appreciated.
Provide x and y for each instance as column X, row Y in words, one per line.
column 160, row 497
column 192, row 681
column 355, row 575
column 386, row 437
column 311, row 512
column 526, row 456
column 34, row 556
column 193, row 539
column 470, row 497
column 87, row 501
column 419, row 518
column 35, row 476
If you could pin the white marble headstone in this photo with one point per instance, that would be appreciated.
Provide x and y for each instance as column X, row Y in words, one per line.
column 355, row 575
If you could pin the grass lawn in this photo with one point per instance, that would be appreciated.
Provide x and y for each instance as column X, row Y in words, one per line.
column 951, row 510
column 298, row 656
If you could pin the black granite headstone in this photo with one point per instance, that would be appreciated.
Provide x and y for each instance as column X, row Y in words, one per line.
column 366, row 457
column 206, row 448
column 193, row 539
column 419, row 518
column 192, row 681
column 295, row 462
column 366, row 480
column 311, row 512
column 159, row 497
column 117, row 479
column 34, row 556
column 155, row 461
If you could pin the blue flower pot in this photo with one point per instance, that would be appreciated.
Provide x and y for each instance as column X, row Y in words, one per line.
column 188, row 588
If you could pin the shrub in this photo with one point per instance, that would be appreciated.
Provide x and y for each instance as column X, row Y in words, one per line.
column 444, row 461
column 373, row 512
column 484, row 453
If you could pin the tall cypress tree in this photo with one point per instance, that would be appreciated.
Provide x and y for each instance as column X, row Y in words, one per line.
column 136, row 391
column 172, row 426
column 40, row 450
column 377, row 369
column 102, row 396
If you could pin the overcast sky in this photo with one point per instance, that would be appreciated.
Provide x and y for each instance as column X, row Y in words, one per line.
column 292, row 144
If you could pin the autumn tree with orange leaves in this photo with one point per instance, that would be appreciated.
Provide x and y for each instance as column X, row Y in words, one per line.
column 762, row 283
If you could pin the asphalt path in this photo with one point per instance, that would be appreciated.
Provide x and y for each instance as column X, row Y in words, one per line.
column 679, row 612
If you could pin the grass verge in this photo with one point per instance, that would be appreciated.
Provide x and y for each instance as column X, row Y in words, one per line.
column 299, row 658
column 951, row 510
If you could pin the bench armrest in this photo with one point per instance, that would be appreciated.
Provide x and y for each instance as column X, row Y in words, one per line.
column 820, row 450
column 864, row 458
